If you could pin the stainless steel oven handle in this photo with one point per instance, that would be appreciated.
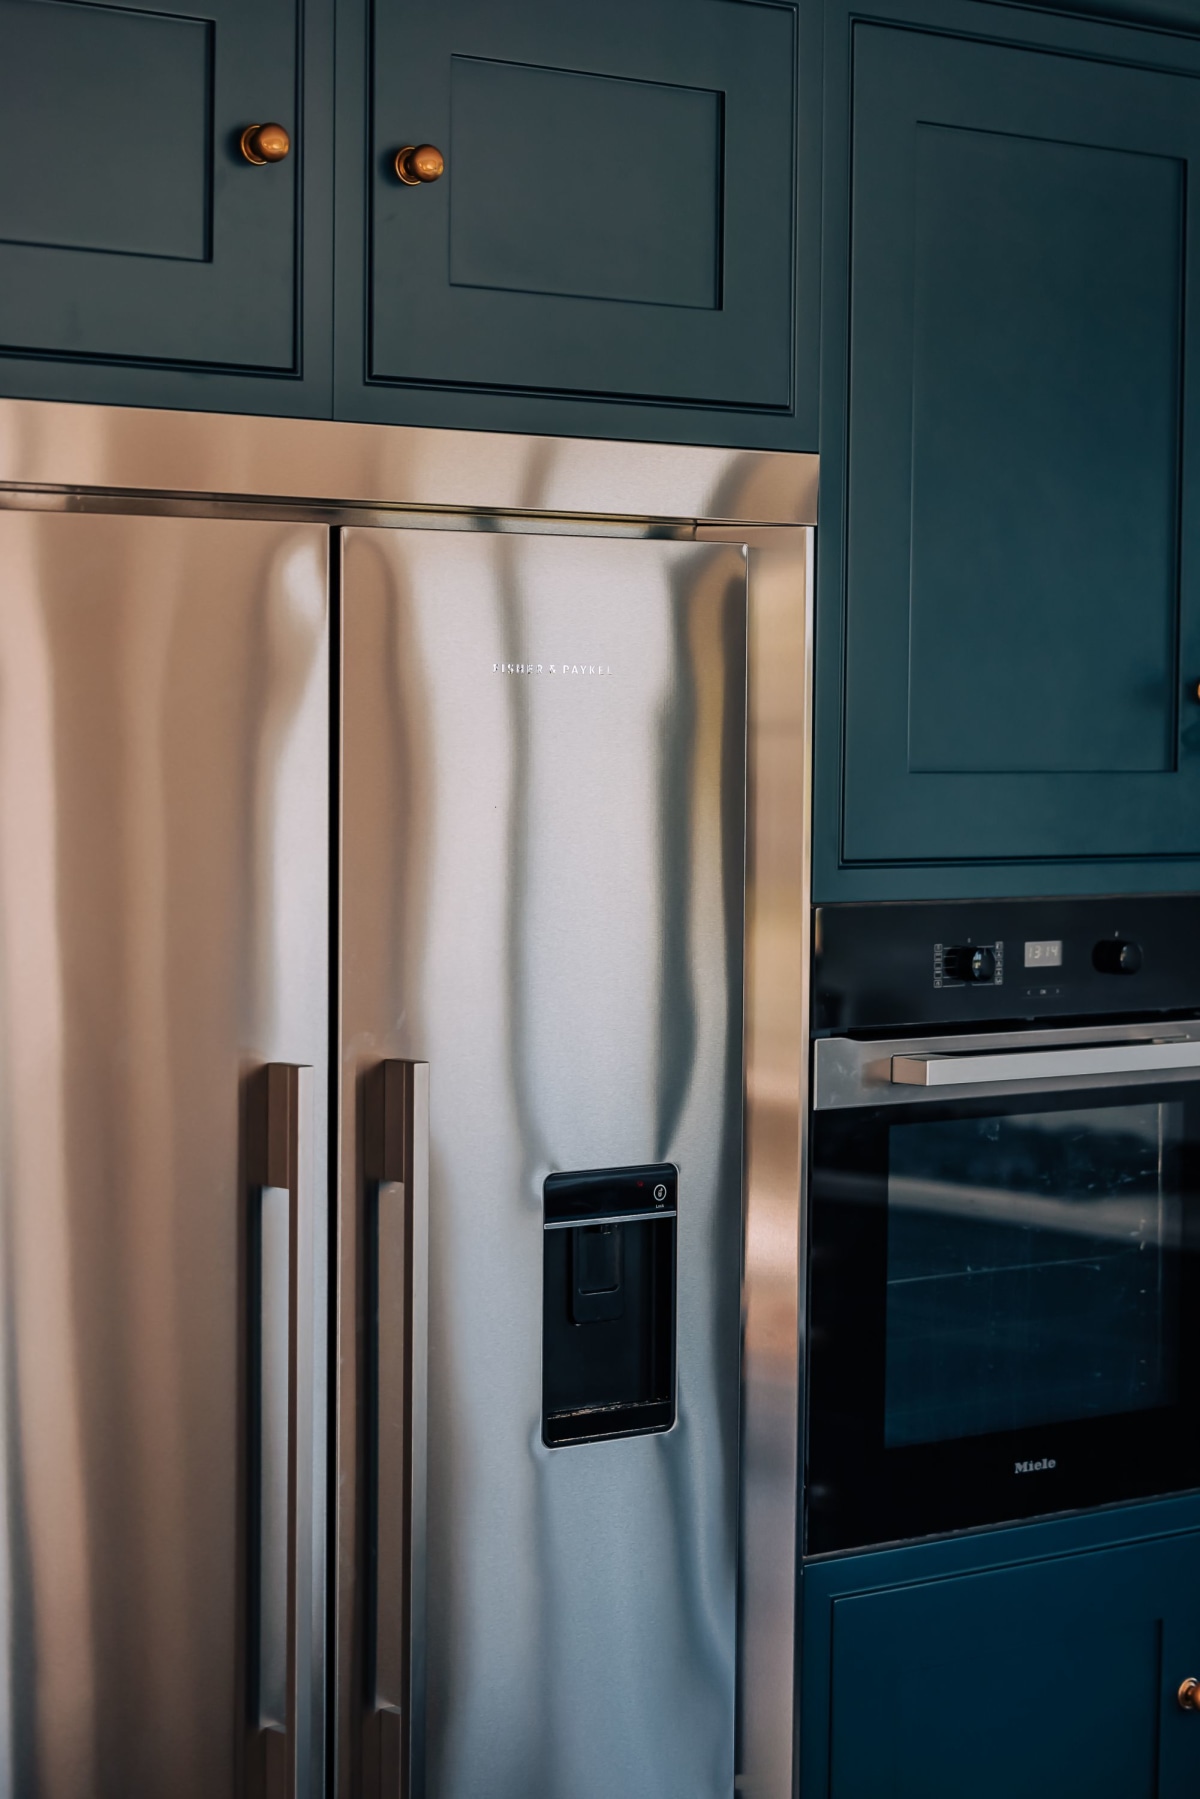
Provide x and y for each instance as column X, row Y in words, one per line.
column 397, row 1167
column 1076, row 1063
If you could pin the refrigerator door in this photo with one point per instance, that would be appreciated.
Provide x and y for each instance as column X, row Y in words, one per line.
column 164, row 723
column 543, row 811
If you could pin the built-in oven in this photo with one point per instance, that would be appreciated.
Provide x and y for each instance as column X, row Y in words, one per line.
column 1004, row 1286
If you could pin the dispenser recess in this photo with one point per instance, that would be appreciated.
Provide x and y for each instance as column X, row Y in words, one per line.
column 608, row 1303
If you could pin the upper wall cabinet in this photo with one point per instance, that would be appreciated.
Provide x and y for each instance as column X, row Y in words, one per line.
column 608, row 238
column 143, row 254
column 617, row 235
column 1022, row 529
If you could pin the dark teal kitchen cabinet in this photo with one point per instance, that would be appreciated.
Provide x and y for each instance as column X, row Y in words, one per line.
column 142, row 256
column 1043, row 1678
column 1042, row 1681
column 621, row 242
column 1010, row 600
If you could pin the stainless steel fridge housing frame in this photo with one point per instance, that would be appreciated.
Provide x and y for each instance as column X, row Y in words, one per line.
column 73, row 457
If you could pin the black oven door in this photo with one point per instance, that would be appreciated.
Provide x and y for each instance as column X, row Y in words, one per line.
column 1004, row 1309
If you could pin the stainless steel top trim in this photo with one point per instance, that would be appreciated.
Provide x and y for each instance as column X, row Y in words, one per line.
column 1044, row 1064
column 52, row 446
column 887, row 1072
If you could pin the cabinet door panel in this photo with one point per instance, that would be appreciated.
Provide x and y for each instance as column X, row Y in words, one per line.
column 1023, row 640
column 1051, row 1678
column 131, row 226
column 616, row 214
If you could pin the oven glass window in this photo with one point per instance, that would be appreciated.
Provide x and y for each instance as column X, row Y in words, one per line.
column 1031, row 1278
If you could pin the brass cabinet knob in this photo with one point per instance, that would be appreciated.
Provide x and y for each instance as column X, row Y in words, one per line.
column 265, row 143
column 1189, row 1694
column 419, row 162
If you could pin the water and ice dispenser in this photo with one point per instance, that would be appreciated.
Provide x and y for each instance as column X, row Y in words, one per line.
column 608, row 1304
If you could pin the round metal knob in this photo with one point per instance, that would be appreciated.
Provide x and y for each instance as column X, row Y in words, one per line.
column 265, row 143
column 1189, row 1694
column 419, row 162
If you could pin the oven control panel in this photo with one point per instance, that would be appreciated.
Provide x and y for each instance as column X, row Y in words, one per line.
column 968, row 964
column 930, row 962
column 1112, row 956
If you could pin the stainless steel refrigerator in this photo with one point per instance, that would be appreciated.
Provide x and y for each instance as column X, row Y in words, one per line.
column 402, row 912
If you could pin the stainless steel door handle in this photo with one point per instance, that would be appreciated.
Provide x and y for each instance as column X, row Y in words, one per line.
column 1074, row 1063
column 281, row 1170
column 396, row 1160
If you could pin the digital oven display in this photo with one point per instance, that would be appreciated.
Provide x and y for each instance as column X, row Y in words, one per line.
column 1045, row 954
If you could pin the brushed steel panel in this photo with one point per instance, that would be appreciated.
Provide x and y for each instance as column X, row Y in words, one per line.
column 54, row 445
column 543, row 898
column 163, row 932
column 777, row 1068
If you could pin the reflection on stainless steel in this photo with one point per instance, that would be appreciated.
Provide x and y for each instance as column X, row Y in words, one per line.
column 777, row 911
column 543, row 798
column 163, row 930
column 66, row 447
column 861, row 1072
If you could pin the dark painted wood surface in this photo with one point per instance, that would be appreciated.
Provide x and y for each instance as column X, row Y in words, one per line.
column 622, row 242
column 1007, row 593
column 142, row 257
column 1039, row 1661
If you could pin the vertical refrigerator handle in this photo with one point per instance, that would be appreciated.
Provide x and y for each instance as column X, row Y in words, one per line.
column 281, row 1171
column 396, row 1164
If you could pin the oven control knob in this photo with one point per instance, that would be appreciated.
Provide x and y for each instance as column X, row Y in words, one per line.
column 970, row 962
column 1113, row 955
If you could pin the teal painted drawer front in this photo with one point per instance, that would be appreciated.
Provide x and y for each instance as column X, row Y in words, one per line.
column 617, row 215
column 1051, row 1679
column 1022, row 619
column 132, row 229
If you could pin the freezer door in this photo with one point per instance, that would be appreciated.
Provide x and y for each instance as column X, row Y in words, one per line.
column 543, row 810
column 163, row 939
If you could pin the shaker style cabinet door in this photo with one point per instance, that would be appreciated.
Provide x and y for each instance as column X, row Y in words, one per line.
column 133, row 228
column 1048, row 1679
column 1023, row 538
column 615, row 216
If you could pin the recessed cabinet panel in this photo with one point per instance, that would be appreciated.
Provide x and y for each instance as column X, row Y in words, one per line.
column 131, row 226
column 575, row 223
column 120, row 164
column 616, row 212
column 1023, row 634
column 1042, row 630
column 1042, row 1680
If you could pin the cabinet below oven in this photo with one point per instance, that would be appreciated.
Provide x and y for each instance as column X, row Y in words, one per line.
column 1004, row 1663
